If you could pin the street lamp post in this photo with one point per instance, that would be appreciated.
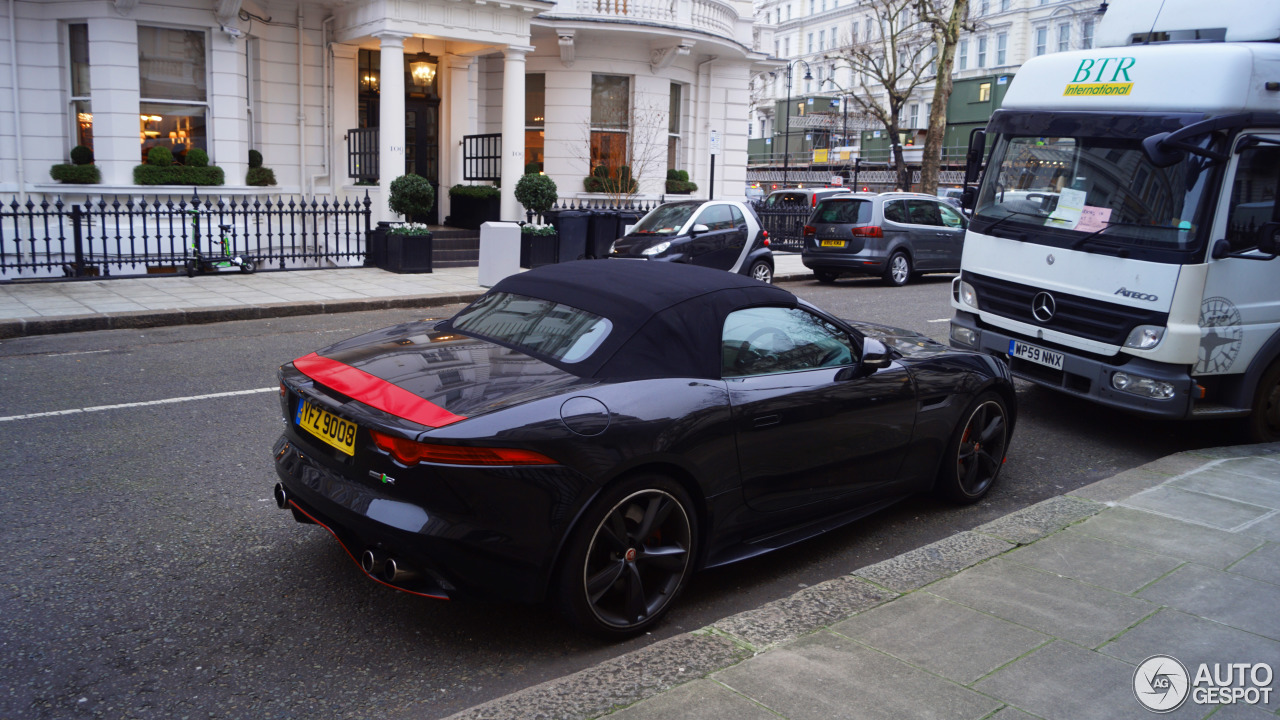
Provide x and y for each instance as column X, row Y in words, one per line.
column 786, row 138
column 844, row 128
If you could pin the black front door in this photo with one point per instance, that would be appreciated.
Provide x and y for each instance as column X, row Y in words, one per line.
column 422, row 145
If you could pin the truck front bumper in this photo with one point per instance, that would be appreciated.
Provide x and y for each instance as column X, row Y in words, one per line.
column 1081, row 375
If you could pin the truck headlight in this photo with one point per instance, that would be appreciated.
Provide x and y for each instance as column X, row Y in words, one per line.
column 1145, row 337
column 1144, row 386
column 656, row 249
column 968, row 295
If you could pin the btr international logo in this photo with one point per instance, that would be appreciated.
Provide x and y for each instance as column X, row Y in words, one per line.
column 1102, row 76
column 1162, row 684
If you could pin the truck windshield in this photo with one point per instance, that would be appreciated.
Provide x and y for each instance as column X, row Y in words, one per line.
column 1095, row 194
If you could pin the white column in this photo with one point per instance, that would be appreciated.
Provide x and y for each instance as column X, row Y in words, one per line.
column 345, row 105
column 512, row 129
column 390, row 117
column 458, row 84
column 228, row 115
column 113, row 77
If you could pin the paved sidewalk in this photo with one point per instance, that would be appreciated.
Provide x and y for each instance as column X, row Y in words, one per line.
column 1046, row 612
column 39, row 308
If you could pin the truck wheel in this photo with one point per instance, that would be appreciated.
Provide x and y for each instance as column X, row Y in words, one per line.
column 1264, row 422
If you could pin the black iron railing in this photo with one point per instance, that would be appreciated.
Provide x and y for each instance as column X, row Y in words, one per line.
column 785, row 224
column 50, row 239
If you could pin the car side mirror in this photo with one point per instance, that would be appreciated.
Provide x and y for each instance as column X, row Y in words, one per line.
column 699, row 228
column 875, row 356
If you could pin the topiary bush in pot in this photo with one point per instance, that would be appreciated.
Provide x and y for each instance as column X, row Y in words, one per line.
column 257, row 175
column 80, row 171
column 536, row 192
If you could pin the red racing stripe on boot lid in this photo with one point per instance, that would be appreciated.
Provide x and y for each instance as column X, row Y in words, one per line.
column 374, row 391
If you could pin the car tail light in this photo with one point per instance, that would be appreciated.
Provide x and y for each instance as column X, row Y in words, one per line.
column 810, row 230
column 411, row 452
column 868, row 231
column 766, row 242
column 814, row 201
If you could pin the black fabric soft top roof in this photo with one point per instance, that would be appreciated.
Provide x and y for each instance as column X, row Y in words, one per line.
column 667, row 317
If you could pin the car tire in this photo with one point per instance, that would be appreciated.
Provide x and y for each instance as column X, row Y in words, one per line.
column 826, row 277
column 897, row 271
column 761, row 271
column 1264, row 421
column 629, row 557
column 976, row 452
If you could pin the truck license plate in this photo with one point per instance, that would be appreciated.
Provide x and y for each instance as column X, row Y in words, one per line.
column 1034, row 354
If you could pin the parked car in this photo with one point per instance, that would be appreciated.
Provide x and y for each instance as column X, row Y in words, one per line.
column 952, row 195
column 754, row 193
column 720, row 234
column 592, row 432
column 894, row 235
column 807, row 197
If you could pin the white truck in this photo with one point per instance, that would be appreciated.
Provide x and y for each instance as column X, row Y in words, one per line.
column 1123, row 240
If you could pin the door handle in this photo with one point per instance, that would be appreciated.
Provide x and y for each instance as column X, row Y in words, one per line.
column 766, row 421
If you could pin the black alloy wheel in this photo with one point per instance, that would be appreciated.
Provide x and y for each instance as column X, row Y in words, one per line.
column 629, row 557
column 898, row 270
column 976, row 452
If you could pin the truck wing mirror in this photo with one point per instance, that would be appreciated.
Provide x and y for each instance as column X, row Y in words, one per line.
column 1268, row 237
column 973, row 159
column 969, row 197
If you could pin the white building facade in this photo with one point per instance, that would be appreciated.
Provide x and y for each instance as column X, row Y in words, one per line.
column 567, row 85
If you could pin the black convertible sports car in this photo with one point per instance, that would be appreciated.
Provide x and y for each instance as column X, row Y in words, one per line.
column 593, row 432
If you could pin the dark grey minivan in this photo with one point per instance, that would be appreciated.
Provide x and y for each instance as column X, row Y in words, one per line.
column 893, row 235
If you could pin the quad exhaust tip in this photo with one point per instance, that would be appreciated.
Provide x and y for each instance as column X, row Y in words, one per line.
column 373, row 561
column 394, row 571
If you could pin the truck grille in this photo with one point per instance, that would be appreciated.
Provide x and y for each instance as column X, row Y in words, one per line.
column 1104, row 322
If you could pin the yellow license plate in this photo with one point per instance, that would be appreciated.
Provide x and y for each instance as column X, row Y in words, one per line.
column 832, row 243
column 328, row 427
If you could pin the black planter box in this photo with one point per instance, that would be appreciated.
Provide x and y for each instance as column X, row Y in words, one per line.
column 376, row 252
column 407, row 253
column 538, row 250
column 470, row 213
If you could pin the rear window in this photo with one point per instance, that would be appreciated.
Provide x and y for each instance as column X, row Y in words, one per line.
column 540, row 327
column 789, row 198
column 843, row 211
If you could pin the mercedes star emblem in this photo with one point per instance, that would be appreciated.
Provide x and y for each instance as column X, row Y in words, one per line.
column 1043, row 307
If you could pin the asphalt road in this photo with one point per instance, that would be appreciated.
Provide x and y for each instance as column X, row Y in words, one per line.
column 149, row 574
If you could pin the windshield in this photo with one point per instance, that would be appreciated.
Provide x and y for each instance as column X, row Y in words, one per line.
column 665, row 219
column 1095, row 194
column 536, row 326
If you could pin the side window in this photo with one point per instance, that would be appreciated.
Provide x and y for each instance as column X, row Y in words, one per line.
column 895, row 211
column 950, row 217
column 1254, row 195
column 763, row 341
column 738, row 219
column 924, row 212
column 716, row 217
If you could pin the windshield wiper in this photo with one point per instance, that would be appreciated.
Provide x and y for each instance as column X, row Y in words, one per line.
column 1087, row 239
column 1000, row 222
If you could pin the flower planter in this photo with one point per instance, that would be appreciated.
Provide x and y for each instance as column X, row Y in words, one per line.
column 407, row 253
column 539, row 250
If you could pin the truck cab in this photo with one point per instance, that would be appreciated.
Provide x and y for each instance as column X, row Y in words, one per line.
column 1122, row 241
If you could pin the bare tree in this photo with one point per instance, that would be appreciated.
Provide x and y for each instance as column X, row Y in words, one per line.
column 946, row 25
column 619, row 151
column 889, row 62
